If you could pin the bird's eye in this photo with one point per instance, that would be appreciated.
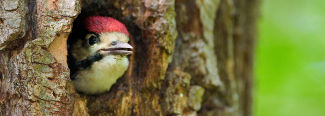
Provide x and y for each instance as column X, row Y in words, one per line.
column 92, row 39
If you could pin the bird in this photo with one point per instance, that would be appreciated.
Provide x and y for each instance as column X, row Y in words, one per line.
column 97, row 53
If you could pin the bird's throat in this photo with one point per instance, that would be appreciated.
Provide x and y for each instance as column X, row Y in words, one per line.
column 102, row 75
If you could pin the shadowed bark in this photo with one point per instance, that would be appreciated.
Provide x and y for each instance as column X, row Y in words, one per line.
column 191, row 57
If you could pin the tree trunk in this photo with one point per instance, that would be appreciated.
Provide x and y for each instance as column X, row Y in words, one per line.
column 191, row 57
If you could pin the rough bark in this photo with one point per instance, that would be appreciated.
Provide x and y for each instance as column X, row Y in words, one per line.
column 34, row 81
column 191, row 57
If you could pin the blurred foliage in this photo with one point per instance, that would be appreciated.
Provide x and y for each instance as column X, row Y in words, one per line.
column 290, row 59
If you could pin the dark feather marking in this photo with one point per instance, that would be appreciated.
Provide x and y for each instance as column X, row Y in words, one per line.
column 101, row 25
column 84, row 64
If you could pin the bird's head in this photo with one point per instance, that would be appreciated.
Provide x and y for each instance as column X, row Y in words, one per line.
column 104, row 35
column 97, row 50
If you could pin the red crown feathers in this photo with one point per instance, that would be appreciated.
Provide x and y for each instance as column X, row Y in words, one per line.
column 99, row 24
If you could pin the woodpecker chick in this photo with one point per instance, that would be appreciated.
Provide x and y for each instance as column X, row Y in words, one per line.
column 97, row 49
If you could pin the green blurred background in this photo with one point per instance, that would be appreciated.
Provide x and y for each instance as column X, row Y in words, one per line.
column 290, row 59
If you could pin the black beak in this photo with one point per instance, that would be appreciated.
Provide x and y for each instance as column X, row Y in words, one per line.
column 120, row 48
